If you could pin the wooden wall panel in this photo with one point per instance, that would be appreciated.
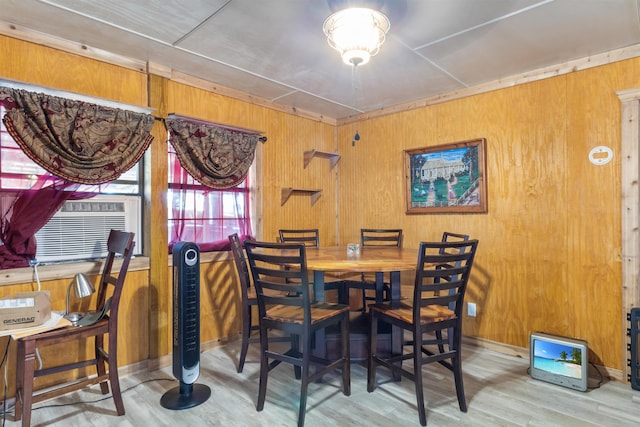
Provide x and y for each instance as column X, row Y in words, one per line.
column 280, row 164
column 283, row 166
column 281, row 158
column 50, row 68
column 220, row 301
column 132, row 341
column 594, row 240
column 34, row 64
column 549, row 254
column 155, row 218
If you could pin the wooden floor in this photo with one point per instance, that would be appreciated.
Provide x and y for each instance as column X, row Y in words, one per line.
column 499, row 393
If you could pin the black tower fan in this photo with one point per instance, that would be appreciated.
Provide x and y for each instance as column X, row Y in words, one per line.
column 186, row 329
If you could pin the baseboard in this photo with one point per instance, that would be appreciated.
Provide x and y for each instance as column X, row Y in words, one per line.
column 605, row 372
column 167, row 360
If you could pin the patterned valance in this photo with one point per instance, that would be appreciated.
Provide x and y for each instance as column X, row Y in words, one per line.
column 75, row 140
column 216, row 157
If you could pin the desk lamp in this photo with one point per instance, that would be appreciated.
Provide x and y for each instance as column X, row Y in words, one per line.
column 82, row 288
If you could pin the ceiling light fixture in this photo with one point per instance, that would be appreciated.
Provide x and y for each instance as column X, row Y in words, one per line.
column 357, row 33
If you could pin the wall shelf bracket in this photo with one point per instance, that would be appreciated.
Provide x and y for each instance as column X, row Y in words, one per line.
column 310, row 154
column 287, row 192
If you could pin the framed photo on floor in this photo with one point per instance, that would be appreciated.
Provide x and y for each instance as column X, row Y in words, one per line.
column 447, row 178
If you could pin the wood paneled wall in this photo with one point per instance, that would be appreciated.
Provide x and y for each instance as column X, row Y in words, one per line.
column 133, row 324
column 34, row 64
column 281, row 165
column 549, row 253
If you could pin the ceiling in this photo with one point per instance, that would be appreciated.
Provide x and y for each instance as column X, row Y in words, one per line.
column 276, row 49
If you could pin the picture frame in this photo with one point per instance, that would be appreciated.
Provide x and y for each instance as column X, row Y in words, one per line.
column 449, row 178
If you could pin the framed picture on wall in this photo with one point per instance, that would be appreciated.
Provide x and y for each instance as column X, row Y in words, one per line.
column 446, row 178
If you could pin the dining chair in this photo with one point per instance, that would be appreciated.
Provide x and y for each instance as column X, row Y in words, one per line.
column 249, row 298
column 293, row 313
column 104, row 323
column 308, row 237
column 311, row 239
column 248, row 301
column 376, row 237
column 448, row 236
column 442, row 267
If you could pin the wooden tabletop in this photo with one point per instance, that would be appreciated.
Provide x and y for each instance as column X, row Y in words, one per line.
column 382, row 259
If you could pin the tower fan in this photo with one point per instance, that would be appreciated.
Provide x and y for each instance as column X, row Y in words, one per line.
column 186, row 329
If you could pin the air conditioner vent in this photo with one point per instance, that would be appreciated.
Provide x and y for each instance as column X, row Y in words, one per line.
column 85, row 206
column 80, row 229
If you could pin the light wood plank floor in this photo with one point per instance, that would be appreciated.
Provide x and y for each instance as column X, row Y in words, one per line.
column 498, row 389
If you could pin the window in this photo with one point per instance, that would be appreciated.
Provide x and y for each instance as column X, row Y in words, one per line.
column 18, row 173
column 204, row 215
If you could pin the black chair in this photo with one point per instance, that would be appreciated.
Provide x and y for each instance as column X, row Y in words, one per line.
column 442, row 275
column 375, row 237
column 448, row 236
column 293, row 313
column 104, row 323
column 249, row 298
column 308, row 237
column 311, row 239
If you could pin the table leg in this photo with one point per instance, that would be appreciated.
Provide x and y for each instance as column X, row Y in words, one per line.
column 318, row 285
column 318, row 290
column 396, row 332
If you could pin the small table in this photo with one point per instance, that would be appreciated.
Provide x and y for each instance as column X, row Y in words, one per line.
column 377, row 260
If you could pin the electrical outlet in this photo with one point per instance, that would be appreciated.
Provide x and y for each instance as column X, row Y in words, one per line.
column 471, row 309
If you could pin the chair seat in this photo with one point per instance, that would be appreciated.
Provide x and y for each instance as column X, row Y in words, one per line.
column 67, row 333
column 404, row 312
column 319, row 312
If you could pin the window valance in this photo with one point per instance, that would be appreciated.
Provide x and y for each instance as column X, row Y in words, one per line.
column 78, row 141
column 216, row 157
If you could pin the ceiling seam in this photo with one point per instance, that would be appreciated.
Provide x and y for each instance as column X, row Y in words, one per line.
column 491, row 21
column 444, row 70
column 188, row 34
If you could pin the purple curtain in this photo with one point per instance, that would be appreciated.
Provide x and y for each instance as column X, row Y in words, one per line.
column 27, row 212
column 186, row 223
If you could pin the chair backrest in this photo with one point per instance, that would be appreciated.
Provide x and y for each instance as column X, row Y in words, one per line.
column 448, row 236
column 442, row 275
column 381, row 237
column 119, row 244
column 285, row 287
column 308, row 237
column 241, row 264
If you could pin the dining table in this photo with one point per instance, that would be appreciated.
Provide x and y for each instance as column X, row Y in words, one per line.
column 340, row 262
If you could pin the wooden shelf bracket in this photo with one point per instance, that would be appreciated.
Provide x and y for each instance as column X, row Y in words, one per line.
column 287, row 192
column 310, row 154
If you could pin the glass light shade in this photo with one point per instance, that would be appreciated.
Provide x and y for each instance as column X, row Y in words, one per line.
column 357, row 33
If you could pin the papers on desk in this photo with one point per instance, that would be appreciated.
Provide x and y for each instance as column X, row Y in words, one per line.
column 56, row 321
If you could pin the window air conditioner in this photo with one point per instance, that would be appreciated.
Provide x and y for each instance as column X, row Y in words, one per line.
column 80, row 229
